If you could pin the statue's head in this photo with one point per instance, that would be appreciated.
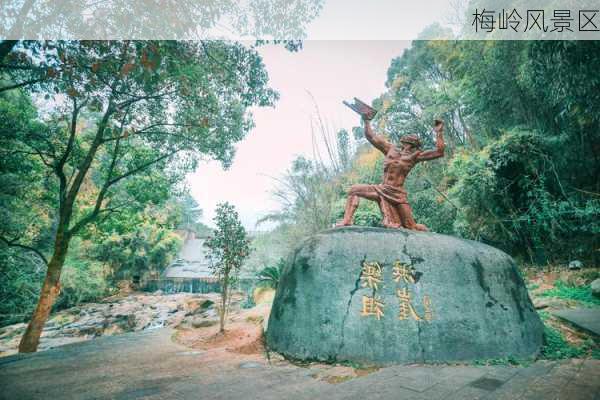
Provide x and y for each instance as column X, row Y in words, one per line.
column 410, row 142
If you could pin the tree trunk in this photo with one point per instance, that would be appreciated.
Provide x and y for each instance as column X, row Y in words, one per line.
column 50, row 290
column 224, row 295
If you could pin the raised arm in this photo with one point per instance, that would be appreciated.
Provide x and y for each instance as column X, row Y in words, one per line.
column 439, row 144
column 376, row 140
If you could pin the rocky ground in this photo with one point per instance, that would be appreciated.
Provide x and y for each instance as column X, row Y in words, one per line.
column 190, row 357
column 120, row 314
column 542, row 284
column 195, row 317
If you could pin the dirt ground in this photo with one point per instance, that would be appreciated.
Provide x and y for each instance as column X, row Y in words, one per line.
column 540, row 280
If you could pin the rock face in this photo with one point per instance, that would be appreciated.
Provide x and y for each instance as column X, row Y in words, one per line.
column 119, row 314
column 596, row 287
column 382, row 296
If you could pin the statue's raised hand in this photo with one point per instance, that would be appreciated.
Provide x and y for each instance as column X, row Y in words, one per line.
column 366, row 112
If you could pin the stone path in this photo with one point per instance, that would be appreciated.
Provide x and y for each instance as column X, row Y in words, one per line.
column 148, row 365
column 587, row 319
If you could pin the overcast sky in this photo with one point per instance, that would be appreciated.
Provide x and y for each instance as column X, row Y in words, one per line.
column 332, row 71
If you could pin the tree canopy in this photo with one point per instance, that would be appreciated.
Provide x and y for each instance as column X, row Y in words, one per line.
column 110, row 127
column 522, row 157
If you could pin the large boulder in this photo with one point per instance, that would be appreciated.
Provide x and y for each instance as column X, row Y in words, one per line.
column 437, row 298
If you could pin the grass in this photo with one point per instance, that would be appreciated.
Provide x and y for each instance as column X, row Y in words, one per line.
column 544, row 315
column 582, row 294
column 503, row 361
column 557, row 348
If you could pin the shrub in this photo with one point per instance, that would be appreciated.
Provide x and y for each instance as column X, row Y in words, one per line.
column 82, row 280
column 511, row 195
column 579, row 293
column 269, row 276
column 21, row 276
column 557, row 348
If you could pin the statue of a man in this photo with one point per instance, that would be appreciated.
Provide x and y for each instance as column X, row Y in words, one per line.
column 390, row 195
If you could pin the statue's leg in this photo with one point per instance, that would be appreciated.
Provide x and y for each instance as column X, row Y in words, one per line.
column 391, row 216
column 408, row 221
column 384, row 219
column 354, row 195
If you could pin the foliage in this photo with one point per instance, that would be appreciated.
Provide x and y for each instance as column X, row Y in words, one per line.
column 367, row 214
column 134, row 244
column 228, row 247
column 21, row 274
column 83, row 280
column 509, row 194
column 521, row 150
column 190, row 215
column 522, row 155
column 269, row 276
column 27, row 194
column 125, row 245
column 123, row 110
column 582, row 294
column 557, row 348
column 183, row 20
column 112, row 119
column 249, row 301
column 268, row 248
column 305, row 195
column 510, row 360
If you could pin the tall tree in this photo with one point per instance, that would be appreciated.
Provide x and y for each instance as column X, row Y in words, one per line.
column 122, row 109
column 228, row 247
column 523, row 132
column 155, row 19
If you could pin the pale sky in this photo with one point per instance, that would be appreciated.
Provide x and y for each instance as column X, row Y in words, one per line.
column 330, row 70
column 380, row 19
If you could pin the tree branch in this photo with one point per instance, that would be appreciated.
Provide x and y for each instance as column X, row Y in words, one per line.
column 87, row 161
column 220, row 62
column 18, row 85
column 135, row 99
column 72, row 131
column 22, row 67
column 13, row 243
column 101, row 196
column 142, row 167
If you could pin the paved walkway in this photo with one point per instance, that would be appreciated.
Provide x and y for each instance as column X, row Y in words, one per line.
column 150, row 366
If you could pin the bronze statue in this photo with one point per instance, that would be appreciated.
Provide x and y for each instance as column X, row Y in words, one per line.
column 390, row 195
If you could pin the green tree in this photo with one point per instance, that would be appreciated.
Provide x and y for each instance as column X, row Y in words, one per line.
column 150, row 19
column 137, row 243
column 191, row 213
column 523, row 150
column 228, row 247
column 114, row 112
column 522, row 161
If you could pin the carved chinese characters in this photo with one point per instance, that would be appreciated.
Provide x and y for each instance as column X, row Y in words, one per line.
column 405, row 277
